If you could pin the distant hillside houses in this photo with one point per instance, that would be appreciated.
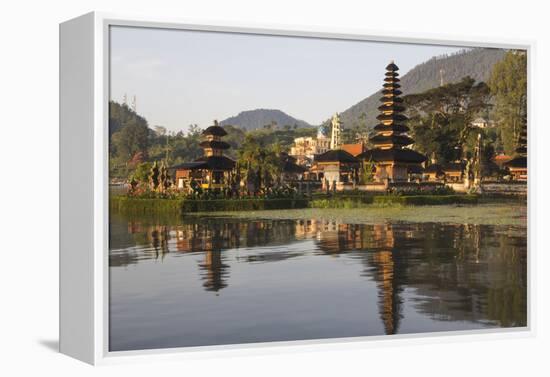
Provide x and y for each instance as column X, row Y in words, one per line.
column 305, row 148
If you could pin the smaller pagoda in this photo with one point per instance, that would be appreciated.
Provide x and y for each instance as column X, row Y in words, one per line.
column 213, row 170
column 392, row 158
column 518, row 165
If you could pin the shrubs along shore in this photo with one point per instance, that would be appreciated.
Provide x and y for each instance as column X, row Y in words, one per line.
column 139, row 205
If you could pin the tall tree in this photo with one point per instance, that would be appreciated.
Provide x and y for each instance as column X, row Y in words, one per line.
column 441, row 118
column 508, row 84
column 259, row 160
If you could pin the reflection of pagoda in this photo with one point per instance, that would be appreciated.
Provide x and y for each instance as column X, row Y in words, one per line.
column 214, row 270
column 377, row 246
column 211, row 240
column 336, row 238
column 392, row 159
column 389, row 300
column 389, row 272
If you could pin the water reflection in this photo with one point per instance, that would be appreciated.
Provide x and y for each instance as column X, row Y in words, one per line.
column 445, row 273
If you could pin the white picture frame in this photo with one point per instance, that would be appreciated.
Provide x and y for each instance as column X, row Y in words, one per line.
column 84, row 96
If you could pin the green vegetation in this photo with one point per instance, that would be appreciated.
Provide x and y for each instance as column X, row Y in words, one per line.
column 441, row 119
column 508, row 84
column 366, row 174
column 128, row 139
column 390, row 200
column 262, row 163
column 134, row 146
column 182, row 206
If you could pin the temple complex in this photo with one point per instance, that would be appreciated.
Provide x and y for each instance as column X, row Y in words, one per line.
column 392, row 159
column 213, row 170
column 325, row 162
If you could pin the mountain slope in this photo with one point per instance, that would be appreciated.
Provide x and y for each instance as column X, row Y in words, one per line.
column 253, row 119
column 476, row 63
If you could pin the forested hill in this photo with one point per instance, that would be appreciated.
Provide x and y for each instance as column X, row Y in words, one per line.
column 259, row 118
column 476, row 63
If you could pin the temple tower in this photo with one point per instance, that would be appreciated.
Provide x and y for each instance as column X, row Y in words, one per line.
column 336, row 136
column 213, row 144
column 392, row 158
column 391, row 132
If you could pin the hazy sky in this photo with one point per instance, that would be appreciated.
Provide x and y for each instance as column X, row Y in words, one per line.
column 184, row 77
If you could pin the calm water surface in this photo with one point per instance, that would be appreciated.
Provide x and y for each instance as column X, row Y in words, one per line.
column 194, row 282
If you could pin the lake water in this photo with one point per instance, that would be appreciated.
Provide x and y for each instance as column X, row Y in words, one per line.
column 209, row 281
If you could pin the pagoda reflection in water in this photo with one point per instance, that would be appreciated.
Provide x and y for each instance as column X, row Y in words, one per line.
column 458, row 272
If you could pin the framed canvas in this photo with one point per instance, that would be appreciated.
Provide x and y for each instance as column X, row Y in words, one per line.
column 233, row 188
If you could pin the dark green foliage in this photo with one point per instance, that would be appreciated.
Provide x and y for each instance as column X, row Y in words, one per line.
column 130, row 135
column 440, row 119
column 128, row 132
column 366, row 175
column 142, row 171
column 154, row 176
column 242, row 204
column 262, row 165
column 509, row 86
column 182, row 206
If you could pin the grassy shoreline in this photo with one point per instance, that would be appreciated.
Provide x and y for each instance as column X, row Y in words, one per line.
column 360, row 209
column 124, row 203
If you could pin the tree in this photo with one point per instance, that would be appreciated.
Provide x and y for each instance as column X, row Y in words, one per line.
column 262, row 163
column 508, row 84
column 131, row 139
column 193, row 130
column 441, row 118
column 128, row 133
column 154, row 176
column 142, row 172
column 366, row 175
column 164, row 179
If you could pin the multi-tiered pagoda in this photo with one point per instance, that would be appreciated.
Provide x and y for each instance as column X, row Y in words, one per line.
column 390, row 155
column 518, row 165
column 213, row 170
